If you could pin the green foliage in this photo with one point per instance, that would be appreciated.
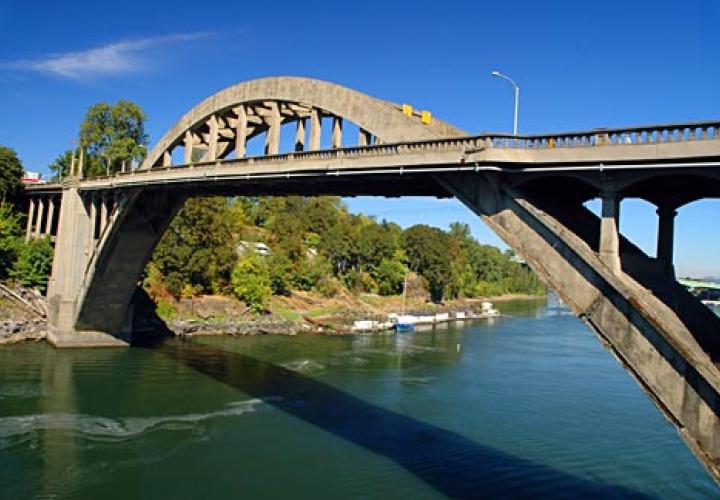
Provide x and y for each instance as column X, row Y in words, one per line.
column 390, row 275
column 10, row 242
column 34, row 263
column 281, row 273
column 316, row 244
column 426, row 248
column 251, row 282
column 111, row 135
column 11, row 172
column 61, row 165
column 328, row 286
column 198, row 248
column 166, row 310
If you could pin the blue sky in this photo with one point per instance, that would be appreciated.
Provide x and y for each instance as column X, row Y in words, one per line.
column 579, row 64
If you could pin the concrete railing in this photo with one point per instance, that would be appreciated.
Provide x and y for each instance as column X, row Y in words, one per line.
column 628, row 136
column 652, row 134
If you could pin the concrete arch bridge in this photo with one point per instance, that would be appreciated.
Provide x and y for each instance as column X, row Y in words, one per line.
column 529, row 189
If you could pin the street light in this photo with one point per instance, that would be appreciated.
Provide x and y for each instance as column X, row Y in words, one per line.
column 517, row 97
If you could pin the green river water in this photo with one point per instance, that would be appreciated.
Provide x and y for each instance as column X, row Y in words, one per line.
column 529, row 406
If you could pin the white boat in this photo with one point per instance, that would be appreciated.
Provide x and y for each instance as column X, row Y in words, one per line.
column 402, row 322
column 488, row 311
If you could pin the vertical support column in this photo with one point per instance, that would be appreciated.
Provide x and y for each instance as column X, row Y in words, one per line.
column 39, row 219
column 103, row 211
column 30, row 220
column 272, row 141
column 166, row 159
column 93, row 222
column 81, row 164
column 337, row 132
column 315, row 129
column 187, row 156
column 609, row 230
column 50, row 216
column 666, row 238
column 212, row 124
column 300, row 135
column 364, row 138
column 240, row 131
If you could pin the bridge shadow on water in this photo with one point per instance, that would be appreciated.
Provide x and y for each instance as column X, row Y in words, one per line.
column 452, row 464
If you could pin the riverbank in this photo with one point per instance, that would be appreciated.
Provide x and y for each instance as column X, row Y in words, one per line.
column 308, row 313
column 296, row 313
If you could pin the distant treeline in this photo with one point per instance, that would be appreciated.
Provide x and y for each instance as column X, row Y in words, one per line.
column 316, row 244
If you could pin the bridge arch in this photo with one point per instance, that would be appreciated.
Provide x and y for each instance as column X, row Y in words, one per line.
column 223, row 123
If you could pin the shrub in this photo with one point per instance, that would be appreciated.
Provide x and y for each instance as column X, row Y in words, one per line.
column 34, row 263
column 251, row 282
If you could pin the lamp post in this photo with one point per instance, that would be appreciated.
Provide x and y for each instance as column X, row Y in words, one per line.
column 517, row 98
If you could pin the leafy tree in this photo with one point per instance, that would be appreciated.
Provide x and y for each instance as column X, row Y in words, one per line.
column 61, row 165
column 251, row 282
column 198, row 248
column 281, row 273
column 34, row 263
column 111, row 135
column 11, row 172
column 426, row 249
column 390, row 275
column 10, row 232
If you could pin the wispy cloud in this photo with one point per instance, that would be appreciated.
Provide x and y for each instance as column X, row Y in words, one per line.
column 128, row 56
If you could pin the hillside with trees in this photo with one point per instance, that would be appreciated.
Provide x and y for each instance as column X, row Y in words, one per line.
column 316, row 244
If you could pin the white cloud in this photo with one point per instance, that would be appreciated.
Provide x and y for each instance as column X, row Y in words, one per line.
column 116, row 58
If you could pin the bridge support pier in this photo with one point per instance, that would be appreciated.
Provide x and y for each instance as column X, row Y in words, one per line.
column 666, row 238
column 66, row 285
column 100, row 255
column 609, row 230
column 671, row 351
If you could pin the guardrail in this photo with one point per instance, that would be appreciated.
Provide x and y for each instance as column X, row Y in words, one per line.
column 652, row 134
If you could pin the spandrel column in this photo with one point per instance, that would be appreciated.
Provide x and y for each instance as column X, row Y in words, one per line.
column 609, row 230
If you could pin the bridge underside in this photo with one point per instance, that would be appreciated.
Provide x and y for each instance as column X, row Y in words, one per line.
column 664, row 336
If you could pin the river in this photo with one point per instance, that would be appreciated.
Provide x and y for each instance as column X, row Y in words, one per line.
column 525, row 406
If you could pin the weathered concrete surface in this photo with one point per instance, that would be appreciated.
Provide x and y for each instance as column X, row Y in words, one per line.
column 92, row 282
column 677, row 367
column 383, row 119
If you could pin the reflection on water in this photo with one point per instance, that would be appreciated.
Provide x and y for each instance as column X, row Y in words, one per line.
column 520, row 407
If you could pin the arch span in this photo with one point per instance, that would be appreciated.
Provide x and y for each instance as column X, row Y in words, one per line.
column 223, row 122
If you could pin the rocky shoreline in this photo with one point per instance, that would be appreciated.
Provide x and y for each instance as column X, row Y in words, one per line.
column 269, row 326
column 12, row 331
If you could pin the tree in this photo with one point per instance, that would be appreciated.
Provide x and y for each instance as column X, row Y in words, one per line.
column 426, row 249
column 34, row 263
column 61, row 165
column 389, row 275
column 111, row 135
column 11, row 172
column 10, row 232
column 251, row 282
column 198, row 248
